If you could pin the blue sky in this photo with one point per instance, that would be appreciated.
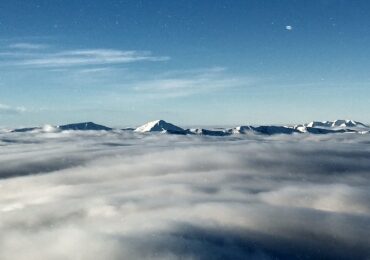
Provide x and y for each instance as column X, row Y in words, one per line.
column 123, row 63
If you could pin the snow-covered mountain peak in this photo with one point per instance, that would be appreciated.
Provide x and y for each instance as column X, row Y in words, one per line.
column 159, row 126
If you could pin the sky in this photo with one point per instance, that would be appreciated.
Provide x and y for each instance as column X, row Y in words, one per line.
column 123, row 63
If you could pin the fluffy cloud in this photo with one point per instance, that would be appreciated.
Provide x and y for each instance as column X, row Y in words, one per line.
column 121, row 195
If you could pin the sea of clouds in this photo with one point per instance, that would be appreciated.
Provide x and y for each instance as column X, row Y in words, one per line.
column 121, row 195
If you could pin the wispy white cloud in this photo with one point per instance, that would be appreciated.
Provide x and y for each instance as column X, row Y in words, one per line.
column 94, row 70
column 36, row 55
column 191, row 82
column 90, row 57
column 5, row 109
column 27, row 46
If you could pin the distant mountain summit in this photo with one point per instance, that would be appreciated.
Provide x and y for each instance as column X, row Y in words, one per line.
column 84, row 126
column 160, row 126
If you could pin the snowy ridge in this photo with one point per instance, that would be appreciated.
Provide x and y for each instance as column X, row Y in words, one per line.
column 336, row 123
column 202, row 131
column 322, row 130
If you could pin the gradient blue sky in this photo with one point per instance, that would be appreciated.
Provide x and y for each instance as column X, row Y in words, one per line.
column 123, row 63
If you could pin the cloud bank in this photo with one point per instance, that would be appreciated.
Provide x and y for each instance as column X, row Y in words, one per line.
column 118, row 195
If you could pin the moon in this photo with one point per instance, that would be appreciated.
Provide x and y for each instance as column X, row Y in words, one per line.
column 289, row 27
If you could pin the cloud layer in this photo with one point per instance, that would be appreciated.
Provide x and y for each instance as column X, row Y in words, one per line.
column 130, row 196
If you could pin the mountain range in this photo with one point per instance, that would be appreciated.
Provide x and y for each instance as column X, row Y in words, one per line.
column 314, row 127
